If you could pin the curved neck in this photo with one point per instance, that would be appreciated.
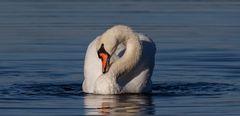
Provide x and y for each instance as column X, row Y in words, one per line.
column 131, row 55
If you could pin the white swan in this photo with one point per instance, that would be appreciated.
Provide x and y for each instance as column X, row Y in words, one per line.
column 119, row 61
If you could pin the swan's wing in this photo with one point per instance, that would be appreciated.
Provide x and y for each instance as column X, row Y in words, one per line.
column 92, row 67
column 148, row 48
column 139, row 80
column 148, row 61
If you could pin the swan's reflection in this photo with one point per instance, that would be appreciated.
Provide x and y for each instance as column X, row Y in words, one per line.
column 124, row 105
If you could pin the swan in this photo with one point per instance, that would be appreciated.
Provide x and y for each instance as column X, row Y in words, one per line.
column 119, row 61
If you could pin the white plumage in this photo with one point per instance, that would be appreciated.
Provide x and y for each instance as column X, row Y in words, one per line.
column 131, row 63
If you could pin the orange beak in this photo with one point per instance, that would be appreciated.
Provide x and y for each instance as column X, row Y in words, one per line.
column 105, row 62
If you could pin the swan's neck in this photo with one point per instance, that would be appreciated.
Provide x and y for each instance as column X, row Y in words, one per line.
column 132, row 53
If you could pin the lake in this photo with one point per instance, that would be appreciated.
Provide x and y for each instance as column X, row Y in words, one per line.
column 43, row 43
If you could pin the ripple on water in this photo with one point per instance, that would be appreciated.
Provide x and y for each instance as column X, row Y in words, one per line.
column 160, row 89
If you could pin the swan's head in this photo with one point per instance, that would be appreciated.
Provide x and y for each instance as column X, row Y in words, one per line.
column 105, row 48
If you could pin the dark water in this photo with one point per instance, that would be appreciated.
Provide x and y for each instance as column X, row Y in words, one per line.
column 42, row 47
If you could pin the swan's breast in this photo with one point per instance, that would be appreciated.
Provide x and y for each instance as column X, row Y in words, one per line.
column 106, row 84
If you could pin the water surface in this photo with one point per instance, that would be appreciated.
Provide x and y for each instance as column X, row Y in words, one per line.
column 197, row 70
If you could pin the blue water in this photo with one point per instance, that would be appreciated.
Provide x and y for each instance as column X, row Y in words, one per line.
column 42, row 47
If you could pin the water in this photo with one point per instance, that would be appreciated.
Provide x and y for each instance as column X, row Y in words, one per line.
column 197, row 70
